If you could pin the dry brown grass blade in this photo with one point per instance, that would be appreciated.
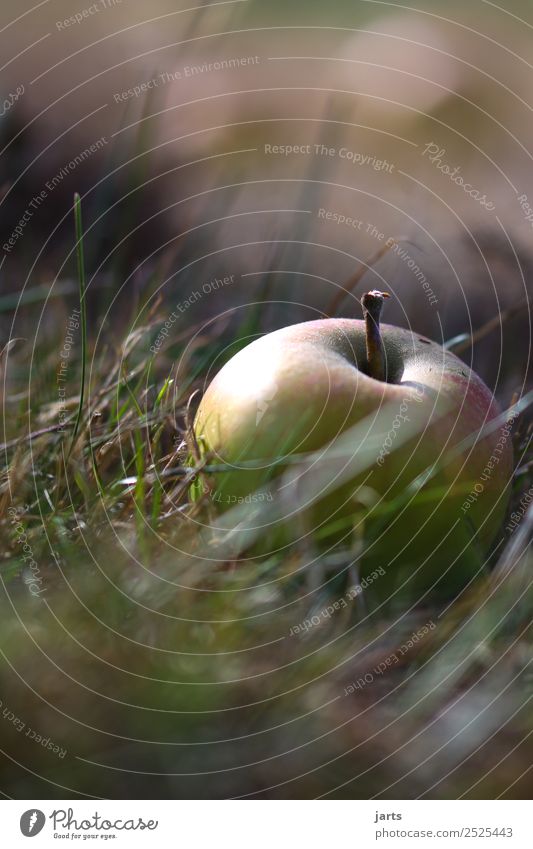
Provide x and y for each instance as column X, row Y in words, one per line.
column 489, row 326
column 348, row 287
column 28, row 437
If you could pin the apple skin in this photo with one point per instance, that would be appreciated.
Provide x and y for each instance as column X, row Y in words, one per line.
column 298, row 389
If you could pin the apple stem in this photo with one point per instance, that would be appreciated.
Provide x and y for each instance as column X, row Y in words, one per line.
column 372, row 303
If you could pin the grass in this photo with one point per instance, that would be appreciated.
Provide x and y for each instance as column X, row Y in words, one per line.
column 83, row 312
column 160, row 652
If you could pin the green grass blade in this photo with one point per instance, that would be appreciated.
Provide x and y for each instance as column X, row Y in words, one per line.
column 83, row 308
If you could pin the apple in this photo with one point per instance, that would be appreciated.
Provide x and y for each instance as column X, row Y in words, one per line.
column 413, row 405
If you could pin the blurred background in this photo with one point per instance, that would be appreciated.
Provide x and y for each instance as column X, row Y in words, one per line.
column 188, row 104
column 238, row 162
